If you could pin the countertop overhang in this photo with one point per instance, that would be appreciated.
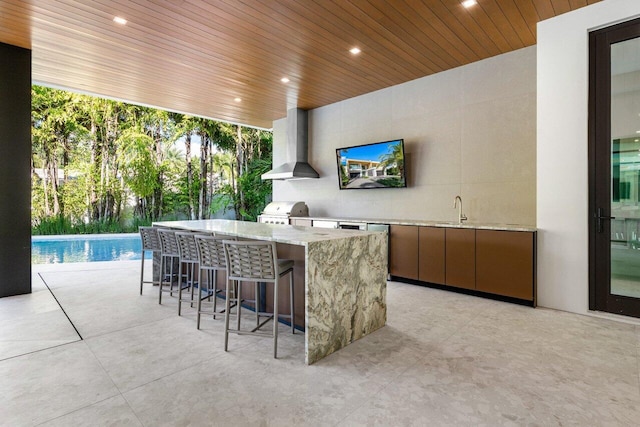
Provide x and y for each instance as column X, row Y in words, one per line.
column 293, row 235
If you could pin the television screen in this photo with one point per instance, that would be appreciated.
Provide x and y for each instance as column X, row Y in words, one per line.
column 379, row 165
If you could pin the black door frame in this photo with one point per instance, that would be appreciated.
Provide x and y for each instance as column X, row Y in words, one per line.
column 600, row 297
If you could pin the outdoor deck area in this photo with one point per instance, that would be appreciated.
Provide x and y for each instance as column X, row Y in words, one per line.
column 442, row 359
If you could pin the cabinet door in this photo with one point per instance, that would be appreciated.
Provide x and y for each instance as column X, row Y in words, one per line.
column 403, row 251
column 431, row 248
column 504, row 263
column 301, row 222
column 460, row 258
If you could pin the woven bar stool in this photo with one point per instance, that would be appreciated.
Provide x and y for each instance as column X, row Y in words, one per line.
column 211, row 259
column 169, row 255
column 188, row 261
column 256, row 261
column 150, row 243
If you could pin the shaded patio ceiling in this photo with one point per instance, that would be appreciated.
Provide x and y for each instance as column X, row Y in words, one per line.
column 199, row 56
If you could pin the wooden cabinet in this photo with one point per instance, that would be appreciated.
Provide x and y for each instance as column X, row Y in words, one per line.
column 505, row 263
column 305, row 222
column 460, row 258
column 403, row 251
column 492, row 261
column 431, row 255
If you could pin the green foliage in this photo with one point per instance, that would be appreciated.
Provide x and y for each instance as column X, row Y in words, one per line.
column 139, row 169
column 344, row 175
column 105, row 166
column 222, row 201
column 256, row 192
column 37, row 198
column 394, row 158
column 393, row 171
column 63, row 225
column 391, row 182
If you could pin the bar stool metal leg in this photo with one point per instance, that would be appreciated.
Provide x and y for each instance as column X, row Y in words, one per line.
column 238, row 296
column 275, row 319
column 142, row 272
column 293, row 327
column 210, row 291
column 226, row 317
column 161, row 285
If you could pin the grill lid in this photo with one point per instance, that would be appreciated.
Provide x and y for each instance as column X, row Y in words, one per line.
column 286, row 209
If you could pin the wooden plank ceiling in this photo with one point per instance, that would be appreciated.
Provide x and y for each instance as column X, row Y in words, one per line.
column 198, row 56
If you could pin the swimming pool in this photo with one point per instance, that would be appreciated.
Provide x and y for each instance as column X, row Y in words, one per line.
column 85, row 248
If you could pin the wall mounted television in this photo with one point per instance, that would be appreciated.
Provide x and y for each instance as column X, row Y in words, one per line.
column 377, row 165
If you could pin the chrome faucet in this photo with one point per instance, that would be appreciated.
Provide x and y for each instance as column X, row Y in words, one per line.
column 461, row 216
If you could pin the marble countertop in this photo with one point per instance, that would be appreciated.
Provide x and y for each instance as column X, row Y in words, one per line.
column 293, row 235
column 447, row 224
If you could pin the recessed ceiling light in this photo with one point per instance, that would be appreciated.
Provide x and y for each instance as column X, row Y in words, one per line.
column 237, row 99
column 119, row 20
column 469, row 3
column 284, row 80
column 355, row 50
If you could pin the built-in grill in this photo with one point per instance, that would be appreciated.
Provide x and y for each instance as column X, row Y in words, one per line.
column 280, row 212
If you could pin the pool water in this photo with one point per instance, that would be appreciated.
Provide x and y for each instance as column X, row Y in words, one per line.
column 85, row 248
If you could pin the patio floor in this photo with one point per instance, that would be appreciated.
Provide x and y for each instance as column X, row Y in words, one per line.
column 113, row 357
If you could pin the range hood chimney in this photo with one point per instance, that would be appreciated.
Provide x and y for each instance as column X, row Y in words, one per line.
column 297, row 150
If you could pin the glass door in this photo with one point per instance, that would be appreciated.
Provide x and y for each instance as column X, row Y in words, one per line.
column 614, row 157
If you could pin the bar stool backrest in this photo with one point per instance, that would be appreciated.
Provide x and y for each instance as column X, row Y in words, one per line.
column 150, row 239
column 251, row 260
column 187, row 246
column 211, row 251
column 168, row 243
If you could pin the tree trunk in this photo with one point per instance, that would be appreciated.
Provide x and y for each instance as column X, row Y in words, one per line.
column 157, row 138
column 66, row 149
column 103, row 184
column 187, row 149
column 240, row 165
column 45, row 173
column 259, row 136
column 204, row 154
column 92, row 195
column 53, row 176
column 211, row 180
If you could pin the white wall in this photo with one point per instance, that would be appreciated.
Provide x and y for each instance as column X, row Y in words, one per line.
column 467, row 131
column 562, row 139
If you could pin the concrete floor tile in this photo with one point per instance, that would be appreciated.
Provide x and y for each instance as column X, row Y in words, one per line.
column 271, row 393
column 442, row 359
column 139, row 355
column 98, row 308
column 110, row 412
column 32, row 322
column 47, row 384
column 27, row 304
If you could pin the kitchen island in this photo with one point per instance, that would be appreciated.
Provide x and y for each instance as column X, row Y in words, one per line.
column 345, row 277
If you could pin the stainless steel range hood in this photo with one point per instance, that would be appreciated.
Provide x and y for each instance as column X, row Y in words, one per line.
column 297, row 166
